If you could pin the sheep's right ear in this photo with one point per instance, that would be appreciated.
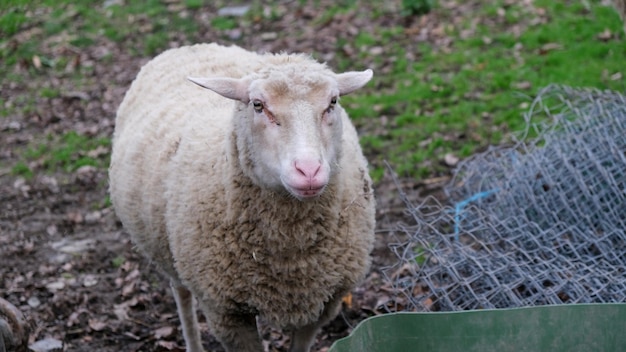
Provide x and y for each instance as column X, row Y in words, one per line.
column 231, row 88
column 348, row 82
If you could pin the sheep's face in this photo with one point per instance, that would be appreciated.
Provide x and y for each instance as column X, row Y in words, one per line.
column 292, row 129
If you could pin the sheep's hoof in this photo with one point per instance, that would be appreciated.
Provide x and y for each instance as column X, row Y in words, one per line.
column 14, row 329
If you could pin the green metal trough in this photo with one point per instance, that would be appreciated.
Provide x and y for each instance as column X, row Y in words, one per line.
column 567, row 328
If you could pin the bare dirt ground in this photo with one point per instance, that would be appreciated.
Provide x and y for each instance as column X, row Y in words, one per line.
column 65, row 261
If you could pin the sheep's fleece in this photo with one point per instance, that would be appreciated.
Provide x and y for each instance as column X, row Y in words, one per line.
column 191, row 182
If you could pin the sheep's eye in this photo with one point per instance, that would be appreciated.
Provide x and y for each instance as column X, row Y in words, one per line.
column 257, row 105
column 333, row 102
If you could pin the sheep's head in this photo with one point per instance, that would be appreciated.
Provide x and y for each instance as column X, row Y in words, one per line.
column 292, row 126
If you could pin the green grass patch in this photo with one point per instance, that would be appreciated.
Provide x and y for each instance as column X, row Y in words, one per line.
column 21, row 169
column 65, row 153
column 72, row 151
column 118, row 261
column 417, row 7
column 223, row 23
column 145, row 26
column 475, row 94
column 11, row 21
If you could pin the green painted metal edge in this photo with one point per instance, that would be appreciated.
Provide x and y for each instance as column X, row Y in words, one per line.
column 574, row 327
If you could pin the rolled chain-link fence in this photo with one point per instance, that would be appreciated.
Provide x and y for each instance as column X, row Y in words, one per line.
column 540, row 222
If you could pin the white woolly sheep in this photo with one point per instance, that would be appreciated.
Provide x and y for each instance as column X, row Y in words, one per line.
column 255, row 200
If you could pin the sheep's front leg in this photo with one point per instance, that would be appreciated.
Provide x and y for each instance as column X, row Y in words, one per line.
column 188, row 317
column 237, row 332
column 302, row 339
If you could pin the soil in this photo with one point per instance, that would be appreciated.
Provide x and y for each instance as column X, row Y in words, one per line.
column 67, row 263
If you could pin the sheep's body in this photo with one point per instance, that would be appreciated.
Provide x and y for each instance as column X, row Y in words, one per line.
column 184, row 184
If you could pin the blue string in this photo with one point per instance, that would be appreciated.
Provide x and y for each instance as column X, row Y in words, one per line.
column 460, row 205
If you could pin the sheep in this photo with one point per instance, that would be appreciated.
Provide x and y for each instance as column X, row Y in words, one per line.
column 253, row 196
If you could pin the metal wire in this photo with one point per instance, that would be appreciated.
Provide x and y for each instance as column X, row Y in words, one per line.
column 540, row 222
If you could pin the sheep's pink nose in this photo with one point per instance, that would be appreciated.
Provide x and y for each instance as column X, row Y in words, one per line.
column 308, row 168
column 307, row 178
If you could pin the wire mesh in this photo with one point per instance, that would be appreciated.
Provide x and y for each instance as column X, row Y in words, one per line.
column 542, row 221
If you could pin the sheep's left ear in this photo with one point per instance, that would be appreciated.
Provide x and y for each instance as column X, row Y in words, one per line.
column 231, row 88
column 348, row 82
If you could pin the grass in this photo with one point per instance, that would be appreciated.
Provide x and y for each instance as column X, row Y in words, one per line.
column 469, row 97
column 65, row 153
column 118, row 261
column 426, row 100
column 28, row 27
column 146, row 26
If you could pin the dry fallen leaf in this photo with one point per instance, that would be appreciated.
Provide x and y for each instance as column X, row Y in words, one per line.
column 47, row 344
column 451, row 160
column 97, row 325
column 98, row 152
column 52, row 230
column 605, row 35
column 128, row 289
column 347, row 300
column 132, row 275
column 37, row 62
column 164, row 332
column 55, row 286
column 524, row 85
column 74, row 318
column 121, row 311
column 74, row 216
column 90, row 280
column 170, row 345
column 549, row 47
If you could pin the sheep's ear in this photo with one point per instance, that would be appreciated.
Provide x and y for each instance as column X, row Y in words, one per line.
column 350, row 81
column 231, row 88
